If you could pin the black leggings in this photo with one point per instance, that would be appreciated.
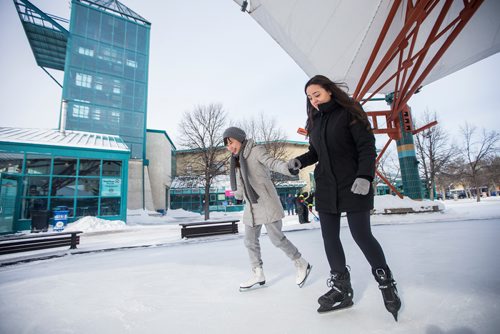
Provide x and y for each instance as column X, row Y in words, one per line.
column 359, row 224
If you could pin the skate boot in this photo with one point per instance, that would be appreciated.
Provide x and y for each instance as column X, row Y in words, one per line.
column 303, row 270
column 387, row 285
column 340, row 294
column 257, row 278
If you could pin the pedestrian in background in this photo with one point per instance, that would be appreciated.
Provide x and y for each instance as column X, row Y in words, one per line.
column 290, row 204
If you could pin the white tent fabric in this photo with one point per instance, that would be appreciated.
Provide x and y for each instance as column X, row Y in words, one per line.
column 335, row 38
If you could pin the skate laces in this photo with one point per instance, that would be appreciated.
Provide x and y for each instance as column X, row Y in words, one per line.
column 330, row 282
column 385, row 281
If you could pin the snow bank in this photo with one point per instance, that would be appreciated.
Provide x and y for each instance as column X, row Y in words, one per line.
column 94, row 224
column 384, row 204
column 181, row 213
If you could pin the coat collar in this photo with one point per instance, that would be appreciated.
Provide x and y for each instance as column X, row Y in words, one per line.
column 248, row 148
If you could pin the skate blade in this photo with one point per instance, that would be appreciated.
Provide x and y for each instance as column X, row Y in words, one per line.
column 301, row 284
column 253, row 287
column 325, row 309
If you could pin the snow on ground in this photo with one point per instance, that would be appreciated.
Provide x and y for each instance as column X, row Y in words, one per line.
column 445, row 264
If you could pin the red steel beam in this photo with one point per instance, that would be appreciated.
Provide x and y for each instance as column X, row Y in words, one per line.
column 435, row 29
column 388, row 183
column 465, row 15
column 418, row 12
column 383, row 151
column 376, row 48
column 408, row 62
column 425, row 127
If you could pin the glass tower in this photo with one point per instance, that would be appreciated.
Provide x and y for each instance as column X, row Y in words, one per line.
column 106, row 72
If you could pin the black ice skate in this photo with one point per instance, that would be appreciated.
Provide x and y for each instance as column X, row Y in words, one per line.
column 389, row 291
column 340, row 294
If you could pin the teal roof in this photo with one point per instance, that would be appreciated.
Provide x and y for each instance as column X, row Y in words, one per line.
column 47, row 37
column 54, row 137
column 117, row 8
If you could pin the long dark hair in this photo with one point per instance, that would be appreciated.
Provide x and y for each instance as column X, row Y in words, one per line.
column 340, row 96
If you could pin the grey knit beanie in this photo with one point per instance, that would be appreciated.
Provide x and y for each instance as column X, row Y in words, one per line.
column 234, row 132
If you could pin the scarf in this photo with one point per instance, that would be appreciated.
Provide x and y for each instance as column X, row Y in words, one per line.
column 250, row 192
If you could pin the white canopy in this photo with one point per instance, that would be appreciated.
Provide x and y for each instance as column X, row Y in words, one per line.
column 335, row 38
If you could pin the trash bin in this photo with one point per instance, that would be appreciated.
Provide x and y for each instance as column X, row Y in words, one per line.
column 39, row 220
column 60, row 218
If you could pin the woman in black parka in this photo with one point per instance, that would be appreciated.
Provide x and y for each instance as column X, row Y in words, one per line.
column 342, row 144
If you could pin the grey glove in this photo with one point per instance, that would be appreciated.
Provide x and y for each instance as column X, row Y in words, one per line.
column 360, row 186
column 294, row 164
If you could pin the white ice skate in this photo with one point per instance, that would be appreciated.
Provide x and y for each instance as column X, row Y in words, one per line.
column 257, row 278
column 303, row 270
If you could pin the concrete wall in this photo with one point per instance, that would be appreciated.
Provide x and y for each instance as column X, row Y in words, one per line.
column 159, row 154
column 135, row 189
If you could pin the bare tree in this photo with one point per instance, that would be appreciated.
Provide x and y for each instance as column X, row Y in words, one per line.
column 389, row 166
column 477, row 151
column 493, row 173
column 201, row 130
column 433, row 151
column 265, row 131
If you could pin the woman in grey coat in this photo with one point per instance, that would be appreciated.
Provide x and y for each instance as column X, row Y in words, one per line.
column 251, row 180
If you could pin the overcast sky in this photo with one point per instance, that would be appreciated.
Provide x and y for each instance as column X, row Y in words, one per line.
column 209, row 51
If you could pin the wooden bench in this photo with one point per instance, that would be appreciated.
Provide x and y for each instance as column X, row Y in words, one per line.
column 207, row 228
column 30, row 242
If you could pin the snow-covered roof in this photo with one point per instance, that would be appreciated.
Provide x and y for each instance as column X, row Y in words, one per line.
column 223, row 182
column 54, row 137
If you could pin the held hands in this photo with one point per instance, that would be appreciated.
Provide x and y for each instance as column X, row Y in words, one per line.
column 294, row 166
column 360, row 186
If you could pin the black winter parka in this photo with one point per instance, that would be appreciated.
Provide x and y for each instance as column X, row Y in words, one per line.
column 344, row 149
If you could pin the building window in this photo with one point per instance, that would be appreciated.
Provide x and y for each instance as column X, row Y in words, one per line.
column 83, row 80
column 115, row 117
column 64, row 166
column 96, row 114
column 63, row 186
column 131, row 63
column 36, row 164
column 116, row 87
column 11, row 162
column 80, row 111
column 111, row 168
column 89, row 167
column 110, row 206
column 37, row 185
column 85, row 51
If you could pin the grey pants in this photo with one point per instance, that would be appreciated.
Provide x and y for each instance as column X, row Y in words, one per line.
column 252, row 234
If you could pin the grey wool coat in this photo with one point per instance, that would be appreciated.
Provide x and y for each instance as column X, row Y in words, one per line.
column 268, row 208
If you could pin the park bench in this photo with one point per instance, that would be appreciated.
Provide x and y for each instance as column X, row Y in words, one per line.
column 207, row 228
column 36, row 241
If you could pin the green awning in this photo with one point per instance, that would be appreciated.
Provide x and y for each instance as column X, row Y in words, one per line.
column 48, row 39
